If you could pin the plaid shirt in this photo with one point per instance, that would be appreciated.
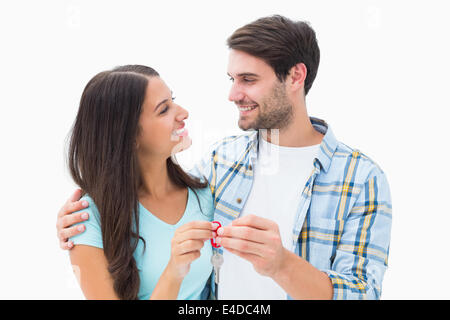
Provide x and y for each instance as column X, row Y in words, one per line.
column 343, row 222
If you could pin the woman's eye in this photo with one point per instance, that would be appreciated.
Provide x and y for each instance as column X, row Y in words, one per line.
column 164, row 110
column 166, row 107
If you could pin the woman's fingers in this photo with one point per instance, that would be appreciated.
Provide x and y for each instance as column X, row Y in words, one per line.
column 188, row 240
column 190, row 256
column 198, row 224
column 194, row 234
column 188, row 246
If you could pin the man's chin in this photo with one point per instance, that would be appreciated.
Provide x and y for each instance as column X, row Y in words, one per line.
column 245, row 125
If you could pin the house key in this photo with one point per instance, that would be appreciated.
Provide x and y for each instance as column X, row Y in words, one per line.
column 216, row 261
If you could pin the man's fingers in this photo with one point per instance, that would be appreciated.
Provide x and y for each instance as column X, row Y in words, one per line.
column 243, row 246
column 254, row 221
column 243, row 232
column 66, row 233
column 75, row 196
column 66, row 245
column 247, row 256
column 71, row 219
column 72, row 207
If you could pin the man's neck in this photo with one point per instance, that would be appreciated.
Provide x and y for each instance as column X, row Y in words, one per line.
column 299, row 133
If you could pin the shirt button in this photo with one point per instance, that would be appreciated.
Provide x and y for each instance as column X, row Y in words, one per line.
column 238, row 200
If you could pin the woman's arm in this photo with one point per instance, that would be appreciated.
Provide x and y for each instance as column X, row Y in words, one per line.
column 91, row 269
column 167, row 287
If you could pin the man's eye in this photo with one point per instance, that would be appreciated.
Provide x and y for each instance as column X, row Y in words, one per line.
column 248, row 80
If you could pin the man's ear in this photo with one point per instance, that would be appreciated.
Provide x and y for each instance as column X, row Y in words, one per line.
column 297, row 75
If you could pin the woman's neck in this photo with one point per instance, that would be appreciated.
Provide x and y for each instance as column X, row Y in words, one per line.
column 155, row 178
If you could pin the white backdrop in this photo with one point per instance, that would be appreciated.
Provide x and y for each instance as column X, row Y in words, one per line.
column 381, row 86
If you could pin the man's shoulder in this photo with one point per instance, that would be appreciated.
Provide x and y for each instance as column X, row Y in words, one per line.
column 346, row 158
column 234, row 144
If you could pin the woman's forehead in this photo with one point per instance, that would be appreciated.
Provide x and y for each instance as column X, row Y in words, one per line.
column 157, row 91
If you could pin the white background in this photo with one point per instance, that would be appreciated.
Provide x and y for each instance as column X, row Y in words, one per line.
column 382, row 86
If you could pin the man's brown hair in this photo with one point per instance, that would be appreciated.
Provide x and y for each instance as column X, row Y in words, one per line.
column 281, row 43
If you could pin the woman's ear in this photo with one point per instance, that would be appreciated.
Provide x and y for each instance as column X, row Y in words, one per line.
column 136, row 142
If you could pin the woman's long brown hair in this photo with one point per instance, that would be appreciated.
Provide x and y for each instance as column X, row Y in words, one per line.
column 102, row 160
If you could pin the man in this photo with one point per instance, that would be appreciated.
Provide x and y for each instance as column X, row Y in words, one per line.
column 309, row 214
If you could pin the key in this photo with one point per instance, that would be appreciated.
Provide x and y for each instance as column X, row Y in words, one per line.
column 216, row 261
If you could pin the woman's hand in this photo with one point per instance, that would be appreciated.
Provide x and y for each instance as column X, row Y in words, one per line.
column 187, row 242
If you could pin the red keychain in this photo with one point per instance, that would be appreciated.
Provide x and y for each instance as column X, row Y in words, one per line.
column 213, row 241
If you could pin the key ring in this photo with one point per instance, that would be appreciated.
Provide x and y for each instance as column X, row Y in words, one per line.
column 213, row 241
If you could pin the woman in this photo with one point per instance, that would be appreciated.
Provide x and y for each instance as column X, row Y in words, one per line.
column 148, row 219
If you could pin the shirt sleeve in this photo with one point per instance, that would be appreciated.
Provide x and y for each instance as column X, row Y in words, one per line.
column 92, row 234
column 362, row 253
column 205, row 168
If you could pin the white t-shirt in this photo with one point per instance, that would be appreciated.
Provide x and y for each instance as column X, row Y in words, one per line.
column 280, row 175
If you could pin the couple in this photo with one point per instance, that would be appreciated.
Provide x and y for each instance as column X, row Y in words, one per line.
column 301, row 215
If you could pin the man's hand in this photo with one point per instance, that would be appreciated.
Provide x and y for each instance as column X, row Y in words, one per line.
column 66, row 219
column 256, row 240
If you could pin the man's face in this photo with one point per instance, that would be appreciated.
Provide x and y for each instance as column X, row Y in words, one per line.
column 259, row 95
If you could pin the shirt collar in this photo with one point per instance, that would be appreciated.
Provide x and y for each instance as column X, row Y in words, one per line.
column 327, row 147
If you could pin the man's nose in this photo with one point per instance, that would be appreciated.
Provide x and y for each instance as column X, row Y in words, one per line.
column 236, row 93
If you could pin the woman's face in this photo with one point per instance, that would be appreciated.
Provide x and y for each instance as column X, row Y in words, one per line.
column 162, row 132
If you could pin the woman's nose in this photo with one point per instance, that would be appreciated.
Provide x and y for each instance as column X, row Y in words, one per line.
column 182, row 114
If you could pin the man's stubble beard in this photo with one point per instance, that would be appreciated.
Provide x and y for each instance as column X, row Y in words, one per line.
column 275, row 112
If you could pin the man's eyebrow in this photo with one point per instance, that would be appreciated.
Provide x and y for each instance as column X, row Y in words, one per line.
column 245, row 74
column 162, row 102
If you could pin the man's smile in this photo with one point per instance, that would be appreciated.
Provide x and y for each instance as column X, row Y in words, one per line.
column 246, row 109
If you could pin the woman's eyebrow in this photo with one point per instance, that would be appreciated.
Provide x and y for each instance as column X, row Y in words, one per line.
column 159, row 104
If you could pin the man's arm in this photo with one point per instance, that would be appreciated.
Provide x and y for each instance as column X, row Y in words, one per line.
column 361, row 256
column 301, row 280
column 258, row 241
column 359, row 263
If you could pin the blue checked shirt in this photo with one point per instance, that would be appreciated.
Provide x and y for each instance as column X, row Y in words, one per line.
column 343, row 222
